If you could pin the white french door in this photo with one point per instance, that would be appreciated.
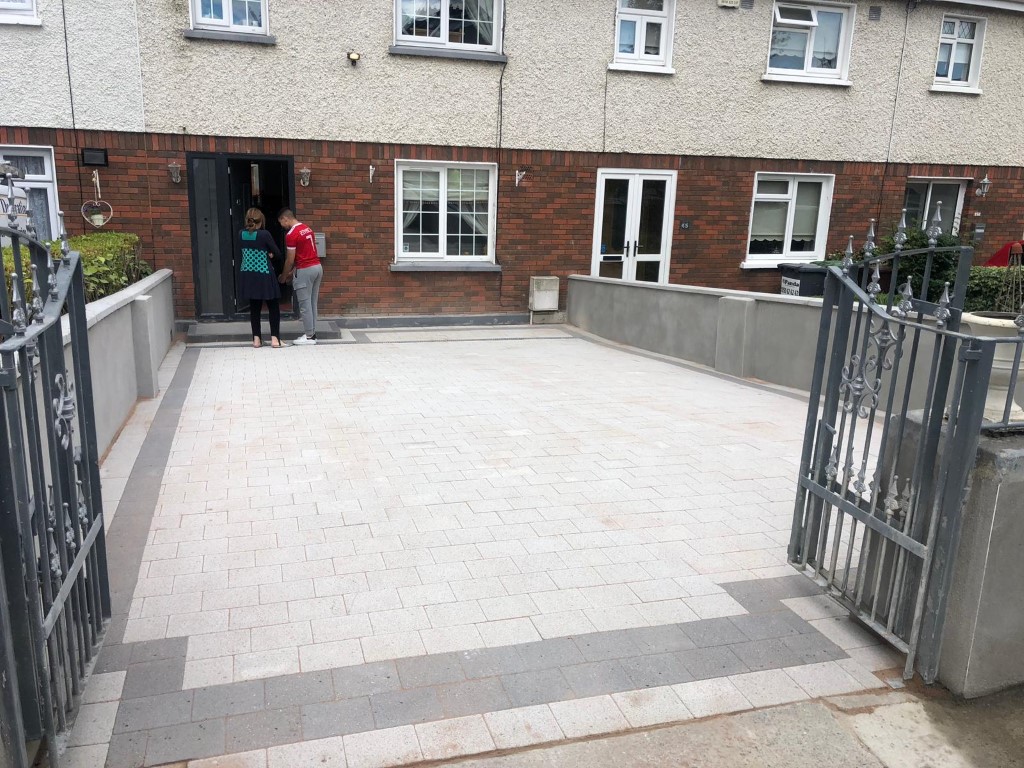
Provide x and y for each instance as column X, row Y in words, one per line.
column 633, row 224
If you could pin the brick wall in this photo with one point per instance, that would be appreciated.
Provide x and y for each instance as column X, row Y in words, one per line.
column 544, row 226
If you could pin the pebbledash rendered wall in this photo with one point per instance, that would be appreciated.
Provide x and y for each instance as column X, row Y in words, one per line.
column 544, row 226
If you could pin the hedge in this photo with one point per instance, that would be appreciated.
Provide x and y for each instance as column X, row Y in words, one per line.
column 110, row 262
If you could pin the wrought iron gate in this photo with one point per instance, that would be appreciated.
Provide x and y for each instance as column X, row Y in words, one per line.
column 52, row 552
column 896, row 410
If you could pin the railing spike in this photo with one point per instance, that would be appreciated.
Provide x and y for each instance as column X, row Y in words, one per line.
column 848, row 257
column 17, row 305
column 12, row 213
column 65, row 248
column 935, row 230
column 942, row 313
column 37, row 298
column 900, row 238
column 869, row 244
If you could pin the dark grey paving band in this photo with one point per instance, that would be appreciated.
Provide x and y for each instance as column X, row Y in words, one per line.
column 129, row 531
column 159, row 723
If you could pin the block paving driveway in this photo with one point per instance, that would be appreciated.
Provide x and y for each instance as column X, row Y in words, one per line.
column 425, row 544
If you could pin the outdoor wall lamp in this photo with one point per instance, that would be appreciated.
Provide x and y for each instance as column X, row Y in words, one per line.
column 353, row 58
column 983, row 187
column 175, row 171
column 520, row 175
column 304, row 175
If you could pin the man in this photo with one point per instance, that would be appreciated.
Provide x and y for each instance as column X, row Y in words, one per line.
column 302, row 268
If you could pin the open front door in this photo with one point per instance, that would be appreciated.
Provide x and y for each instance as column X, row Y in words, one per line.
column 633, row 225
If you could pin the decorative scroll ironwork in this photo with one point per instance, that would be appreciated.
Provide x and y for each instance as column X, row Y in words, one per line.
column 64, row 409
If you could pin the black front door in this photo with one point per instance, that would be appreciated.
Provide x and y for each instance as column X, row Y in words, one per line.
column 221, row 189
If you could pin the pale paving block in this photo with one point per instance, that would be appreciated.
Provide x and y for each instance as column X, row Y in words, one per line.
column 332, row 586
column 651, row 706
column 216, row 644
column 667, row 612
column 163, row 585
column 341, row 628
column 248, row 577
column 717, row 696
column 455, row 614
column 176, row 567
column 392, row 646
column 254, row 759
column 252, row 666
column 94, row 756
column 768, row 688
column 863, row 675
column 428, row 594
column 200, row 673
column 511, row 607
column 563, row 624
column 561, row 600
column 94, row 724
column 286, row 591
column 170, row 605
column 508, row 632
column 383, row 748
column 609, row 595
column 306, row 571
column 456, row 737
column 380, row 600
column 523, row 727
column 400, row 620
column 824, row 679
column 140, row 630
column 322, row 753
column 877, row 658
column 448, row 639
column 341, row 653
column 282, row 636
column 239, row 597
column 620, row 617
column 230, row 561
column 845, row 632
column 588, row 717
column 255, row 616
column 714, row 606
column 104, row 687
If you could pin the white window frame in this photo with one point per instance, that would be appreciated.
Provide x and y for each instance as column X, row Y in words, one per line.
column 442, row 168
column 771, row 260
column 47, row 181
column 947, row 83
column 442, row 42
column 838, row 76
column 640, row 61
column 198, row 22
column 22, row 12
column 929, row 211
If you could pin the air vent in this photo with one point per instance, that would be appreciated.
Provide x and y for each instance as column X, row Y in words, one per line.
column 875, row 13
column 747, row 5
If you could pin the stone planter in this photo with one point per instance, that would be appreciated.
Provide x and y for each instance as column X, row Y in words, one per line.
column 999, row 325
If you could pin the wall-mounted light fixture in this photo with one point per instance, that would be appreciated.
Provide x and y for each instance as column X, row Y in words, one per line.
column 372, row 169
column 304, row 176
column 520, row 175
column 353, row 58
column 175, row 170
column 983, row 187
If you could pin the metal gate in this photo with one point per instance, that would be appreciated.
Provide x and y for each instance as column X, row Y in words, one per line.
column 52, row 553
column 896, row 409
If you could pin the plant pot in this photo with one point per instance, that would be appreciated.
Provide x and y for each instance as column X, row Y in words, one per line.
column 999, row 325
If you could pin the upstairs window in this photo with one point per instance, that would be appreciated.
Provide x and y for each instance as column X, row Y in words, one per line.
column 810, row 42
column 468, row 25
column 643, row 34
column 959, row 62
column 248, row 16
column 18, row 12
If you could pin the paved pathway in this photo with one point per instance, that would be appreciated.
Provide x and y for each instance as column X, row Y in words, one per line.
column 423, row 544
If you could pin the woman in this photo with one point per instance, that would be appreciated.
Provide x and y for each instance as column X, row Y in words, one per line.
column 258, row 280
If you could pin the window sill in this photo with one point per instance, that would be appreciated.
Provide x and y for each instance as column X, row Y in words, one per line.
column 805, row 80
column 620, row 67
column 966, row 91
column 20, row 21
column 445, row 266
column 257, row 38
column 774, row 264
column 447, row 53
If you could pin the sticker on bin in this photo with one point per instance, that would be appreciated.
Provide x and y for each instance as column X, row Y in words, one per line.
column 790, row 287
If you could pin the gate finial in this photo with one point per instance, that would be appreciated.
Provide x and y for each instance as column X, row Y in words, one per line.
column 935, row 230
column 848, row 257
column 900, row 238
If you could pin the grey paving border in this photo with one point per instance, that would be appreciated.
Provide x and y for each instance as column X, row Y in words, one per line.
column 159, row 723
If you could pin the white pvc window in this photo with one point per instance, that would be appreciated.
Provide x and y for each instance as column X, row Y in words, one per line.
column 468, row 25
column 231, row 15
column 810, row 41
column 789, row 218
column 445, row 211
column 39, row 183
column 959, row 59
column 922, row 196
column 643, row 33
column 18, row 12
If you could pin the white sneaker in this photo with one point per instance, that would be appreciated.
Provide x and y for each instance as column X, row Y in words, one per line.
column 304, row 340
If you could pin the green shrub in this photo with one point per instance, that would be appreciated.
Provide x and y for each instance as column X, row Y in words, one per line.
column 110, row 262
column 983, row 289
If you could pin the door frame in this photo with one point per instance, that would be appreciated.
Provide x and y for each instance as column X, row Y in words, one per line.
column 636, row 177
column 224, row 205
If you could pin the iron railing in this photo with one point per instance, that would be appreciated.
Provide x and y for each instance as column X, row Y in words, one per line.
column 899, row 399
column 52, row 553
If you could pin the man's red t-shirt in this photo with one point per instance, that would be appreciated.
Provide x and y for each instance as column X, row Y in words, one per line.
column 301, row 238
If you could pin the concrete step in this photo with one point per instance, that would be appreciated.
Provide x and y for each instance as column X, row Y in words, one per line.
column 222, row 332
